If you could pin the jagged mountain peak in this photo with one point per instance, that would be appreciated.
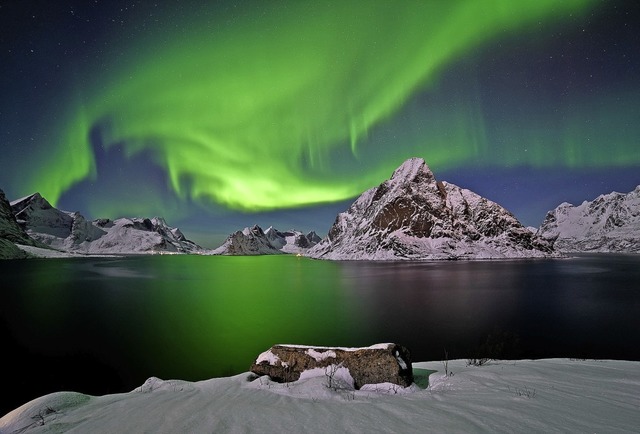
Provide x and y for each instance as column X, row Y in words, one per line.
column 254, row 241
column 11, row 233
column 255, row 230
column 414, row 216
column 412, row 170
column 413, row 177
column 34, row 200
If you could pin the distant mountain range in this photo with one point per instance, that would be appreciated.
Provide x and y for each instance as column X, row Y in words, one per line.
column 45, row 226
column 411, row 216
column 255, row 241
column 609, row 223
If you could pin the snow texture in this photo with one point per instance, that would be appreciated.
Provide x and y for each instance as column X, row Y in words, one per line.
column 320, row 356
column 255, row 241
column 553, row 395
column 609, row 223
column 413, row 216
column 70, row 232
column 381, row 346
column 268, row 357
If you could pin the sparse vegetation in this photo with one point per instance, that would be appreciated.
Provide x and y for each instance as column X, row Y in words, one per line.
column 40, row 417
column 498, row 345
column 523, row 392
column 477, row 361
column 329, row 373
column 445, row 363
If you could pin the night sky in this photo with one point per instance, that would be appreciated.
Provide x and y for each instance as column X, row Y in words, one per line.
column 220, row 115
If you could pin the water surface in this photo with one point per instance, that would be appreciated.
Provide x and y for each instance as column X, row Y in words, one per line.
column 104, row 325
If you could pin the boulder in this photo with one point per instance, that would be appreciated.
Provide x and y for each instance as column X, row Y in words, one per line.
column 380, row 363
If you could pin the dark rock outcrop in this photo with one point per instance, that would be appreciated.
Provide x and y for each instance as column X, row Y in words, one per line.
column 9, row 250
column 10, row 230
column 249, row 241
column 381, row 363
column 11, row 233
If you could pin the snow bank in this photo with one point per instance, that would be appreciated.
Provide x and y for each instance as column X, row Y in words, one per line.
column 551, row 395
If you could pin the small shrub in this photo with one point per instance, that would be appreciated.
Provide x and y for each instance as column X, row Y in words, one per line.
column 445, row 363
column 329, row 373
column 523, row 392
column 478, row 361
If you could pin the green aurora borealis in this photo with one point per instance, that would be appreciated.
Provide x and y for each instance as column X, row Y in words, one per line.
column 276, row 105
column 241, row 114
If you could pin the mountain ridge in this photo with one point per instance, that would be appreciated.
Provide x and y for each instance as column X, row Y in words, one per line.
column 412, row 216
column 254, row 241
column 610, row 223
column 71, row 232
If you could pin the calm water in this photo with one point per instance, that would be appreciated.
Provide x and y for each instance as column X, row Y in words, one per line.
column 105, row 325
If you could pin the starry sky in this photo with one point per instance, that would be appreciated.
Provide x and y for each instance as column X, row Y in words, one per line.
column 224, row 114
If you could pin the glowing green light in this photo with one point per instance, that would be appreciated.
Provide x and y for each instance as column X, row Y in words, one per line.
column 250, row 115
column 603, row 135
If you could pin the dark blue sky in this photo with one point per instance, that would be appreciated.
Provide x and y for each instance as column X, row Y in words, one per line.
column 530, row 115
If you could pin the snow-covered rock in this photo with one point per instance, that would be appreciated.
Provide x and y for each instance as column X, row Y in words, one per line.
column 71, row 232
column 249, row 241
column 542, row 396
column 380, row 363
column 413, row 216
column 609, row 223
column 291, row 241
column 255, row 241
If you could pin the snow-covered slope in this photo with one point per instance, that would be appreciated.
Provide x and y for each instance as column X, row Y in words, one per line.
column 528, row 396
column 255, row 241
column 413, row 216
column 609, row 223
column 71, row 232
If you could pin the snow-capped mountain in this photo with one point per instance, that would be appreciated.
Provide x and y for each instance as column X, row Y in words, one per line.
column 291, row 241
column 413, row 216
column 9, row 227
column 11, row 233
column 255, row 241
column 609, row 223
column 71, row 232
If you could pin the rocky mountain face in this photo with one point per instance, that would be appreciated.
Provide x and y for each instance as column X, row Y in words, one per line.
column 71, row 232
column 291, row 241
column 414, row 216
column 11, row 233
column 609, row 223
column 255, row 241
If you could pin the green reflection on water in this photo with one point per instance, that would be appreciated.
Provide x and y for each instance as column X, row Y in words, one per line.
column 212, row 316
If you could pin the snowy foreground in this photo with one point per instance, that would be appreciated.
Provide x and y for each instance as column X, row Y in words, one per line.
column 554, row 395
